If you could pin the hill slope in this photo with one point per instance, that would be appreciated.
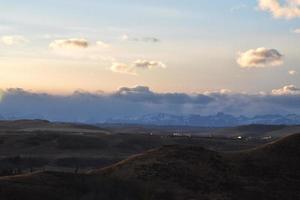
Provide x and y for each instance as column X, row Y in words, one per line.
column 269, row 172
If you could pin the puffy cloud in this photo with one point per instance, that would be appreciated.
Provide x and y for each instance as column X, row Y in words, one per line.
column 10, row 40
column 287, row 90
column 260, row 57
column 144, row 94
column 123, row 68
column 292, row 72
column 290, row 9
column 143, row 39
column 83, row 106
column 135, row 66
column 73, row 43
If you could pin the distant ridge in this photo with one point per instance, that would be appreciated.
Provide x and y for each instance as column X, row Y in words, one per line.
column 218, row 120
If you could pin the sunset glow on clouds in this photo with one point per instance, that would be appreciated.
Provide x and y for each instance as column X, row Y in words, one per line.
column 260, row 57
column 290, row 9
column 245, row 47
column 133, row 68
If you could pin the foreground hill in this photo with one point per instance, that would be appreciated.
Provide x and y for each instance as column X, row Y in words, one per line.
column 269, row 172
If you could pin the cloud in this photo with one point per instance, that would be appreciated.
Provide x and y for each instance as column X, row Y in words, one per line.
column 260, row 57
column 82, row 106
column 143, row 39
column 123, row 68
column 288, row 10
column 134, row 90
column 144, row 94
column 73, row 43
column 287, row 90
column 93, row 107
column 145, row 64
column 133, row 68
column 292, row 72
column 11, row 40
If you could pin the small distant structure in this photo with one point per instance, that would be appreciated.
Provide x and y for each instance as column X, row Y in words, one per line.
column 177, row 134
column 267, row 138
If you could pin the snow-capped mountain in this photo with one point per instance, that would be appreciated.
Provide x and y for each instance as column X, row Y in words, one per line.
column 218, row 120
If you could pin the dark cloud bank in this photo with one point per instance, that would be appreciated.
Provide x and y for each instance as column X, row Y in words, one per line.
column 137, row 101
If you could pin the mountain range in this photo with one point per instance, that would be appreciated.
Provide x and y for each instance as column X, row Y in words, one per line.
column 217, row 120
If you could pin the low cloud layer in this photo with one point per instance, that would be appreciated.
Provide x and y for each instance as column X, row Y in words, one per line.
column 288, row 10
column 133, row 68
column 73, row 43
column 10, row 40
column 135, row 101
column 260, row 57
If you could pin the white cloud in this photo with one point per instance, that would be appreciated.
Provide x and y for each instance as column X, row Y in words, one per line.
column 287, row 90
column 288, row 10
column 222, row 91
column 260, row 57
column 73, row 43
column 123, row 68
column 135, row 66
column 292, row 72
column 10, row 40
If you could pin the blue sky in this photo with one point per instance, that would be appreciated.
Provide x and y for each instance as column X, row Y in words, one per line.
column 198, row 43
column 90, row 60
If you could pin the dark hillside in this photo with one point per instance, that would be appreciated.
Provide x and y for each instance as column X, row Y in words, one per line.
column 269, row 172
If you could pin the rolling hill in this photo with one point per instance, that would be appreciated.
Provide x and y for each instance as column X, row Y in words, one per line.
column 268, row 172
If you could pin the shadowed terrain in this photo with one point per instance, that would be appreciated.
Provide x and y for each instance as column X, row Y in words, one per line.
column 35, row 145
column 270, row 171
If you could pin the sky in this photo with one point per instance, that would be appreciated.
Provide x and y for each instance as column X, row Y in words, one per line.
column 190, row 47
